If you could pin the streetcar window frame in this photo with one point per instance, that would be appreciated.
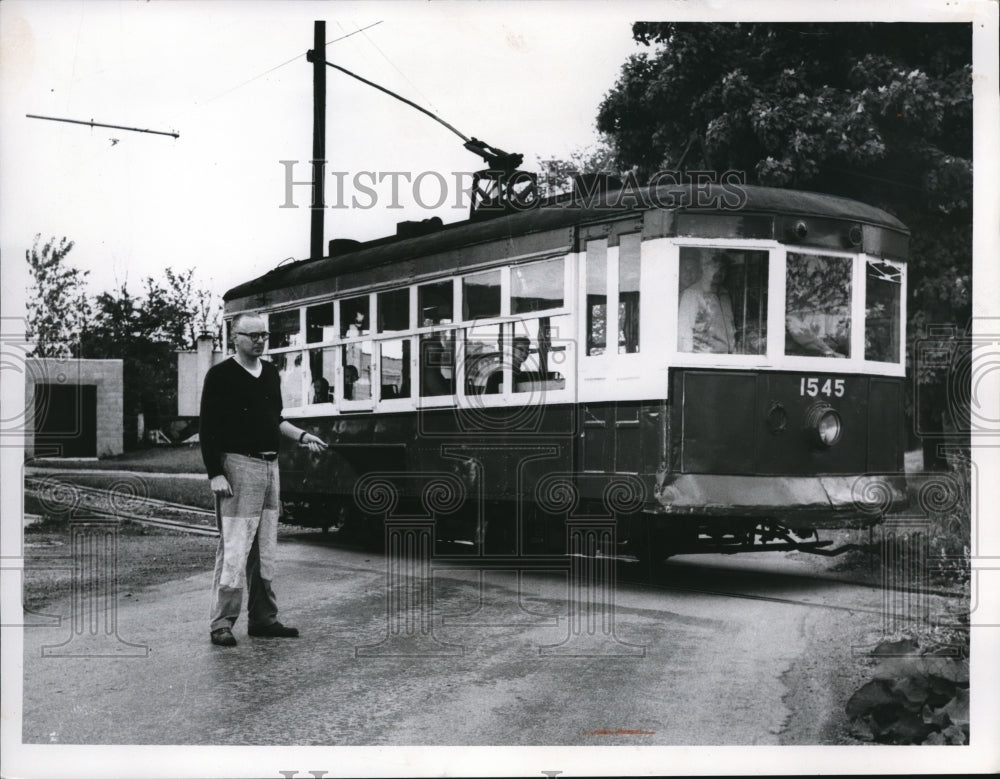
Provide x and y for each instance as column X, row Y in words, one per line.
column 415, row 333
column 775, row 359
column 657, row 336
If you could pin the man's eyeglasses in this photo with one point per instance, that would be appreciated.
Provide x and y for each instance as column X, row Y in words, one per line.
column 255, row 336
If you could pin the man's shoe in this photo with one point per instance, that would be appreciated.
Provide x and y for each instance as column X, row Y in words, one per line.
column 223, row 637
column 274, row 630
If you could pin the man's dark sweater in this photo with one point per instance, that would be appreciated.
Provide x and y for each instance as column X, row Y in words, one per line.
column 239, row 413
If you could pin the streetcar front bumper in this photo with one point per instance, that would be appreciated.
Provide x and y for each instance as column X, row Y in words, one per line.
column 796, row 501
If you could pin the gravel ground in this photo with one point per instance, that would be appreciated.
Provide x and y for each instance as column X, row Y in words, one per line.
column 146, row 556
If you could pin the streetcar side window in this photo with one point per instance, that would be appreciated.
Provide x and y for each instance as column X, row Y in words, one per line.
column 394, row 369
column 394, row 311
column 437, row 363
column 481, row 295
column 319, row 323
column 883, row 293
column 289, row 365
column 435, row 303
column 484, row 360
column 283, row 327
column 597, row 297
column 357, row 362
column 537, row 286
column 722, row 304
column 539, row 353
column 354, row 317
column 818, row 305
column 322, row 369
column 629, row 248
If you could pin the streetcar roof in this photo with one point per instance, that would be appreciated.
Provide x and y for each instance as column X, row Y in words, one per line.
column 558, row 215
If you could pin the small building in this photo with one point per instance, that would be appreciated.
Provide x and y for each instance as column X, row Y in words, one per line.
column 75, row 407
column 191, row 370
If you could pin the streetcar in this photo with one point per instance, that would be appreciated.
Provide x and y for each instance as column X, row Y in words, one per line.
column 713, row 368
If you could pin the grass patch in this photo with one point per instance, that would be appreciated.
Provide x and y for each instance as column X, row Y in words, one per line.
column 189, row 491
column 183, row 458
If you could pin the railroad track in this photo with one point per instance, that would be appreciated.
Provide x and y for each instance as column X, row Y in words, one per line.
column 61, row 496
column 122, row 501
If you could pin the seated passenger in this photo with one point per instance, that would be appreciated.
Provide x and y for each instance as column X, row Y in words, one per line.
column 321, row 390
column 802, row 337
column 521, row 348
column 705, row 312
column 350, row 379
column 436, row 365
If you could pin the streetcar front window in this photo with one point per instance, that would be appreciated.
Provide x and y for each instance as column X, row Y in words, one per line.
column 883, row 294
column 722, row 304
column 537, row 286
column 818, row 305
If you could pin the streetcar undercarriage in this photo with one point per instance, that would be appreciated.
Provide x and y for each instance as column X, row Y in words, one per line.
column 503, row 529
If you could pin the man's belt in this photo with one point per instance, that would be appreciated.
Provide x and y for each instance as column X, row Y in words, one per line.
column 268, row 456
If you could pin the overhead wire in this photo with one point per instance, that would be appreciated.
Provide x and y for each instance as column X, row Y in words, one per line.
column 401, row 72
column 289, row 61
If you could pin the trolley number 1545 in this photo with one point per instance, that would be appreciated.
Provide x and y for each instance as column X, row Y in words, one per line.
column 811, row 386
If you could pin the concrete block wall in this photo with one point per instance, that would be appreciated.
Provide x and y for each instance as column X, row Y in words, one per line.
column 191, row 370
column 106, row 375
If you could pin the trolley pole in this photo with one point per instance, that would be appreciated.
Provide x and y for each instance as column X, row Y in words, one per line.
column 318, row 58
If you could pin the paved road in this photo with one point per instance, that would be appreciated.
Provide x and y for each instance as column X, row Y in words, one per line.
column 503, row 665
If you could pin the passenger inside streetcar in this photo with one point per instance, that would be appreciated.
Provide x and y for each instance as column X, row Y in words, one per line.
column 350, row 379
column 437, row 364
column 802, row 338
column 321, row 390
column 705, row 313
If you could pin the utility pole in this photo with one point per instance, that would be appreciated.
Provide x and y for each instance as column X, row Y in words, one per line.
column 318, row 58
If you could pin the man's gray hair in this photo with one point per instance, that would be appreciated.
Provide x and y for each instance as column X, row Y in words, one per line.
column 238, row 319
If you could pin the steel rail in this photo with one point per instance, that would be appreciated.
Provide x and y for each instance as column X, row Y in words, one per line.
column 111, row 511
column 152, row 502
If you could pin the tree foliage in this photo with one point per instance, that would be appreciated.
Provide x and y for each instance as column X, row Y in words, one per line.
column 874, row 111
column 557, row 174
column 58, row 307
column 144, row 331
column 883, row 111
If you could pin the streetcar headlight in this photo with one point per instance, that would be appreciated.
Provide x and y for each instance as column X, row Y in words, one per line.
column 824, row 424
column 829, row 428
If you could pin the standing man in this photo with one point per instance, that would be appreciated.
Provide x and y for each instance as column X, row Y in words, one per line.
column 241, row 429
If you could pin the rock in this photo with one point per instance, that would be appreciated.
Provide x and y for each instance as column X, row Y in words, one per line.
column 908, row 729
column 936, row 739
column 904, row 646
column 958, row 709
column 876, row 693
